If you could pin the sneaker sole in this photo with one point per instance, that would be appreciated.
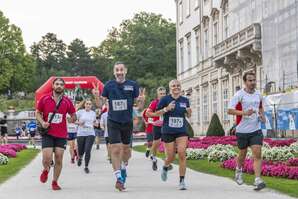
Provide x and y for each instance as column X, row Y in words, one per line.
column 119, row 186
column 260, row 187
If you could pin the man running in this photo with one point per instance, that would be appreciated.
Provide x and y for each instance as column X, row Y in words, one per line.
column 32, row 132
column 121, row 94
column 104, row 127
column 157, row 124
column 4, row 133
column 149, row 131
column 54, row 142
column 248, row 108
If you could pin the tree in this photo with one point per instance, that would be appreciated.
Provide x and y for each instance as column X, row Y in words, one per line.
column 215, row 128
column 147, row 45
column 16, row 65
column 78, row 59
column 49, row 53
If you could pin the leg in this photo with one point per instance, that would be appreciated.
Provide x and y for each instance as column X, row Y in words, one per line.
column 257, row 157
column 58, row 163
column 6, row 138
column 181, row 148
column 170, row 153
column 81, row 146
column 116, row 156
column 241, row 158
column 125, row 152
column 47, row 154
column 88, row 147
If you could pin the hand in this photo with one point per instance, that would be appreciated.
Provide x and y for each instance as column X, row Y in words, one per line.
column 171, row 106
column 249, row 112
column 45, row 124
column 188, row 109
column 142, row 95
column 262, row 117
column 95, row 90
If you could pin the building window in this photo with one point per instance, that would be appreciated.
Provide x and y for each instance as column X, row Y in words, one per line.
column 205, row 105
column 206, row 43
column 225, row 90
column 215, row 33
column 181, row 52
column 188, row 8
column 180, row 8
column 188, row 38
column 214, row 98
column 197, row 4
column 199, row 109
column 236, row 84
column 198, row 46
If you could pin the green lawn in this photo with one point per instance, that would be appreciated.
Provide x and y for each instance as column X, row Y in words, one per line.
column 289, row 187
column 16, row 164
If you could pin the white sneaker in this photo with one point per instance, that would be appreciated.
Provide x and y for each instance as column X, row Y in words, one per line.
column 182, row 185
column 259, row 184
column 238, row 176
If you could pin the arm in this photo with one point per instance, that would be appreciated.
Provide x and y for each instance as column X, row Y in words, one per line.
column 232, row 107
column 39, row 118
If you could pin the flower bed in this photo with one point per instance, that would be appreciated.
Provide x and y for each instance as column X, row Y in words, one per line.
column 281, row 169
column 10, row 150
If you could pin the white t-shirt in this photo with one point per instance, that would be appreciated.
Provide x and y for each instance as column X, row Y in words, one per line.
column 244, row 101
column 72, row 128
column 88, row 117
column 104, row 122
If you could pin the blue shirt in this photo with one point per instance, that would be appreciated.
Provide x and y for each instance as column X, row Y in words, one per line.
column 32, row 126
column 121, row 99
column 174, row 121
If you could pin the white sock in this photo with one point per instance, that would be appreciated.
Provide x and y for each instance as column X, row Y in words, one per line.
column 258, row 179
column 123, row 165
column 117, row 174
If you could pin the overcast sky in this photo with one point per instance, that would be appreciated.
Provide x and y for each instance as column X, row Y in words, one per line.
column 88, row 20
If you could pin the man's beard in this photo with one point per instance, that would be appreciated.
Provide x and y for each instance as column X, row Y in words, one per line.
column 58, row 92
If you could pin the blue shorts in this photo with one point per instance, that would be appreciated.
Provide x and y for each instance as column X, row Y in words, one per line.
column 99, row 132
column 71, row 136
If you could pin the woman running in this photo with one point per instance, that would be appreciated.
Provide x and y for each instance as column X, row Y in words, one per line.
column 86, row 134
column 174, row 108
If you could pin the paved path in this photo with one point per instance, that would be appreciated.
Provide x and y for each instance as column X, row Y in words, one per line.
column 142, row 183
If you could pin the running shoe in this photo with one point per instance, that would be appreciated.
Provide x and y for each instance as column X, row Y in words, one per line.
column 259, row 184
column 97, row 147
column 72, row 161
column 44, row 176
column 124, row 175
column 120, row 184
column 79, row 162
column 154, row 165
column 164, row 174
column 147, row 153
column 182, row 185
column 238, row 176
column 87, row 170
column 55, row 186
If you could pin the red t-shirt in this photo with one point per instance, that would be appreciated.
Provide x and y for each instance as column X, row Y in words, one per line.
column 148, row 122
column 58, row 127
column 153, row 106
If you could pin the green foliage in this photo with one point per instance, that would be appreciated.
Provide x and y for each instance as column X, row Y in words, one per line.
column 16, row 66
column 215, row 128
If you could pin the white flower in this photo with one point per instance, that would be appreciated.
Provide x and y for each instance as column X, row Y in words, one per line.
column 3, row 159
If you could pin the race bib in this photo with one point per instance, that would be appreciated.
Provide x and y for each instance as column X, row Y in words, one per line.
column 87, row 128
column 57, row 118
column 119, row 105
column 182, row 105
column 176, row 122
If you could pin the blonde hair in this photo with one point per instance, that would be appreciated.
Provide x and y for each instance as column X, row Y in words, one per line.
column 82, row 104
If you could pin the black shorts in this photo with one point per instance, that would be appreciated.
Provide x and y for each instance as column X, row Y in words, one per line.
column 120, row 132
column 71, row 136
column 48, row 141
column 168, row 138
column 156, row 132
column 107, row 139
column 245, row 140
column 3, row 131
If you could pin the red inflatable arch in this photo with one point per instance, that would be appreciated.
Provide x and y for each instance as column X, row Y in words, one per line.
column 85, row 82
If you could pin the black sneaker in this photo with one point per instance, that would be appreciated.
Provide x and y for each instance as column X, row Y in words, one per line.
column 170, row 167
column 97, row 147
column 87, row 170
column 79, row 162
column 154, row 165
column 147, row 153
column 259, row 185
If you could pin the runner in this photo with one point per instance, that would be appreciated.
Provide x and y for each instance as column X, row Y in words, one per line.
column 121, row 94
column 4, row 133
column 72, row 129
column 98, row 130
column 86, row 134
column 104, row 127
column 32, row 132
column 149, row 131
column 174, row 109
column 248, row 130
column 55, row 140
column 157, row 124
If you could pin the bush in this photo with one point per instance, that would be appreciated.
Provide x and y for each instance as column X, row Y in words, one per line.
column 3, row 159
column 215, row 128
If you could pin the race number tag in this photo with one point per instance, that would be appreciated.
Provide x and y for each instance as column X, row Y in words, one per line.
column 176, row 122
column 57, row 118
column 119, row 105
